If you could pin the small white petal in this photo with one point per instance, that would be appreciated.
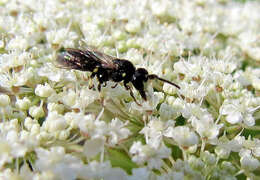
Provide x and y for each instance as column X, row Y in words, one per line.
column 250, row 163
column 234, row 117
column 249, row 120
column 227, row 109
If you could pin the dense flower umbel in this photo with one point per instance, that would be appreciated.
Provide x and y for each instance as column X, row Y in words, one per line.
column 53, row 126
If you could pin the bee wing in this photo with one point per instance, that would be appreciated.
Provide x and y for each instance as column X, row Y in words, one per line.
column 85, row 60
column 105, row 60
column 71, row 59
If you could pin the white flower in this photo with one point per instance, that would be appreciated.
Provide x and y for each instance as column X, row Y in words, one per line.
column 54, row 122
column 13, row 142
column 167, row 111
column 68, row 97
column 254, row 75
column 119, row 35
column 163, row 9
column 169, row 89
column 28, row 123
column 133, row 55
column 18, row 43
column 121, row 46
column 145, row 153
column 4, row 100
column 228, row 166
column 85, row 98
column 248, row 42
column 61, row 36
column 23, row 104
column 237, row 112
column 154, row 99
column 194, row 90
column 53, row 74
column 241, row 77
column 182, row 135
column 44, row 90
column 221, row 80
column 248, row 162
column 36, row 111
column 226, row 146
column 205, row 126
column 189, row 109
column 256, row 148
column 208, row 158
column 65, row 166
column 154, row 131
column 73, row 119
column 133, row 26
column 29, row 138
column 93, row 127
column 189, row 69
column 251, row 146
column 229, row 26
column 91, row 31
column 117, row 93
column 195, row 162
column 17, row 78
column 14, row 59
column 117, row 131
column 55, row 107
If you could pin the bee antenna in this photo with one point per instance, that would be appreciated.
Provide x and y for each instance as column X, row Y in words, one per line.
column 154, row 76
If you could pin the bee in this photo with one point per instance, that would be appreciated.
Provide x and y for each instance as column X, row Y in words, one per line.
column 108, row 68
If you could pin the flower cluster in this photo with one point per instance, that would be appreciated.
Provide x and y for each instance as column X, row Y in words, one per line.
column 54, row 126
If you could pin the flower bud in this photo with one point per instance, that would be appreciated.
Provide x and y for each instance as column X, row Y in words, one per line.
column 36, row 112
column 43, row 90
column 23, row 104
column 4, row 100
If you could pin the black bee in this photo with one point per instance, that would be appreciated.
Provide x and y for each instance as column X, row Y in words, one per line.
column 106, row 68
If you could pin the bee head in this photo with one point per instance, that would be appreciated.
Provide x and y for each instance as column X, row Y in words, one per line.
column 141, row 74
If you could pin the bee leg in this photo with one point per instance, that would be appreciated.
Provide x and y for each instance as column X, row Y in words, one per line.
column 114, row 86
column 91, row 85
column 102, row 100
column 131, row 93
column 93, row 75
